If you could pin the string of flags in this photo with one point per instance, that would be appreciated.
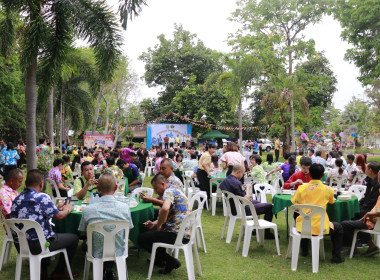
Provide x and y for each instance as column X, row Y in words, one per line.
column 199, row 123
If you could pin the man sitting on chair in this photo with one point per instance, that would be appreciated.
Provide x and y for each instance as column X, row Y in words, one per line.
column 107, row 208
column 33, row 205
column 316, row 193
column 165, row 229
column 86, row 184
column 8, row 191
column 233, row 184
column 300, row 177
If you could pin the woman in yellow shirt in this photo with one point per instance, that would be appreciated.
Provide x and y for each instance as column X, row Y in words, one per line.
column 316, row 193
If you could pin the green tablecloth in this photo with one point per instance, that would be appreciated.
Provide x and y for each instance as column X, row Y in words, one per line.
column 341, row 210
column 140, row 214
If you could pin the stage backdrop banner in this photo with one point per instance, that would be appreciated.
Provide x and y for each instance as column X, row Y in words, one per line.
column 103, row 140
column 163, row 129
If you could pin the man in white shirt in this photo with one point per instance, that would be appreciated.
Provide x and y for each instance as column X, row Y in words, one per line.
column 171, row 141
column 342, row 158
column 351, row 165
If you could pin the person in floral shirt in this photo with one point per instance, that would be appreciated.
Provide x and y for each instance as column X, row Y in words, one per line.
column 10, row 157
column 67, row 173
column 56, row 175
column 111, row 168
column 257, row 171
column 45, row 155
column 166, row 169
column 174, row 209
column 8, row 191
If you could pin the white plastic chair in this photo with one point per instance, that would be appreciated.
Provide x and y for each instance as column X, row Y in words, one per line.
column 7, row 243
column 53, row 186
column 261, row 191
column 190, row 188
column 70, row 193
column 358, row 179
column 249, row 223
column 188, row 172
column 188, row 221
column 201, row 198
column 142, row 176
column 77, row 172
column 217, row 194
column 108, row 229
column 339, row 180
column 148, row 171
column 317, row 246
column 374, row 231
column 358, row 190
column 34, row 260
column 137, row 191
column 278, row 182
column 69, row 183
column 231, row 219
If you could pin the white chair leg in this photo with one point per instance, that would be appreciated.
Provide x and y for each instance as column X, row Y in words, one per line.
column 289, row 252
column 152, row 257
column 35, row 268
column 121, row 266
column 213, row 207
column 197, row 260
column 224, row 206
column 353, row 244
column 18, row 268
column 247, row 240
column 315, row 254
column 224, row 227
column 231, row 227
column 276, row 239
column 295, row 251
column 87, row 265
column 189, row 262
column 260, row 234
column 203, row 239
column 4, row 251
column 97, row 269
column 8, row 253
column 68, row 265
column 378, row 240
column 242, row 227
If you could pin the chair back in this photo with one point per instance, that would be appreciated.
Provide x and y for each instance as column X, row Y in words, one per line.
column 70, row 193
column 243, row 202
column 230, row 197
column 69, row 183
column 188, row 172
column 77, row 169
column 308, row 212
column 189, row 184
column 108, row 229
column 358, row 179
column 20, row 227
column 216, row 181
column 120, row 185
column 339, row 180
column 142, row 176
column 53, row 186
column 278, row 182
column 6, row 227
column 201, row 198
column 188, row 222
column 137, row 191
column 261, row 191
column 358, row 190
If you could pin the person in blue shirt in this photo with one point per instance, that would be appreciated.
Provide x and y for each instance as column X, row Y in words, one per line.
column 3, row 148
column 10, row 157
column 107, row 208
column 33, row 205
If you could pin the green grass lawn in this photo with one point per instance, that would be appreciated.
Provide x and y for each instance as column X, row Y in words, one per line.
column 222, row 262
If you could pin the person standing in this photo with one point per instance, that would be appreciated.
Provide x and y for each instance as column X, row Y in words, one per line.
column 3, row 148
column 171, row 141
column 22, row 154
column 10, row 156
column 204, row 167
column 143, row 154
column 125, row 152
column 166, row 142
column 159, row 140
column 276, row 148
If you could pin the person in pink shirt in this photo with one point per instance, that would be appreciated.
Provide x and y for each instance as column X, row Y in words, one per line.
column 158, row 162
column 125, row 152
column 8, row 191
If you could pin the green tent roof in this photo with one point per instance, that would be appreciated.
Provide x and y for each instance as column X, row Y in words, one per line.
column 213, row 134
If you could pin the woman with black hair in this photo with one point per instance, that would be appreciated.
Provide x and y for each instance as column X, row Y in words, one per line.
column 288, row 168
column 204, row 167
column 56, row 176
column 10, row 157
column 338, row 170
column 75, row 160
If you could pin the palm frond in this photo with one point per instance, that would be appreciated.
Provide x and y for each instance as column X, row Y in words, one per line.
column 8, row 33
column 130, row 9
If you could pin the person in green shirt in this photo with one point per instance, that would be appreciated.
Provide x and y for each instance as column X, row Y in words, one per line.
column 131, row 172
column 85, row 184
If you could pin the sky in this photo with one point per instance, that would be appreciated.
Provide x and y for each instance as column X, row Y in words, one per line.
column 209, row 20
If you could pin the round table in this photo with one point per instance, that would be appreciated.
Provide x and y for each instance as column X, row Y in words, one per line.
column 341, row 210
column 140, row 214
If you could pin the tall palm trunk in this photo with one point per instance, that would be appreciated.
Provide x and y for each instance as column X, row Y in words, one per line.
column 240, row 126
column 51, row 116
column 97, row 109
column 292, row 120
column 30, row 106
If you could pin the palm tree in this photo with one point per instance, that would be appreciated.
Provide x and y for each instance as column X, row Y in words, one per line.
column 243, row 72
column 282, row 91
column 46, row 38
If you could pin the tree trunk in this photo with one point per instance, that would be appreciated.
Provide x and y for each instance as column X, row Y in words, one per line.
column 292, row 123
column 51, row 116
column 240, row 126
column 286, row 140
column 30, row 108
column 107, row 111
column 117, row 128
column 97, row 109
